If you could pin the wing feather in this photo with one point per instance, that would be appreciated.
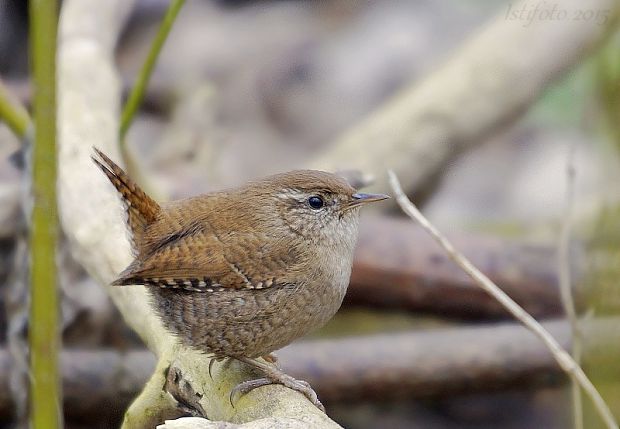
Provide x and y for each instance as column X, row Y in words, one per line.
column 202, row 262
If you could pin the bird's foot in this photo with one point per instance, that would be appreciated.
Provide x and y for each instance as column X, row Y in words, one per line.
column 246, row 387
column 271, row 358
column 273, row 376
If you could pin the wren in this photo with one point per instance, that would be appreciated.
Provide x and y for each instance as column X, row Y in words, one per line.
column 243, row 272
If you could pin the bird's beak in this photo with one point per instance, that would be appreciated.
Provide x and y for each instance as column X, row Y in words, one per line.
column 359, row 198
column 369, row 198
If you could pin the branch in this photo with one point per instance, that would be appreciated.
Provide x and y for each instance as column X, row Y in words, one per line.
column 565, row 361
column 489, row 83
column 92, row 220
column 267, row 423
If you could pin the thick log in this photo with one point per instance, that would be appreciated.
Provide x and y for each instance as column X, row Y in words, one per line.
column 397, row 265
column 425, row 364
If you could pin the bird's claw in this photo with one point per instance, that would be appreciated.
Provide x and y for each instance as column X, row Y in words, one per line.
column 211, row 362
column 300, row 386
column 271, row 358
column 246, row 387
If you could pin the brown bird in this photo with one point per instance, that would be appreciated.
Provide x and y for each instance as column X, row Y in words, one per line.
column 243, row 272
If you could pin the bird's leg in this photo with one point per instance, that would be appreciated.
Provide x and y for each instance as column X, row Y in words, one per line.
column 271, row 358
column 273, row 375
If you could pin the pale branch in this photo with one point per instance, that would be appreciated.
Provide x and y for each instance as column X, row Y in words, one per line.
column 88, row 111
column 266, row 423
column 566, row 362
column 489, row 83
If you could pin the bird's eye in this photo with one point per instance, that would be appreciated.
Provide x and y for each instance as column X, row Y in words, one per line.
column 315, row 202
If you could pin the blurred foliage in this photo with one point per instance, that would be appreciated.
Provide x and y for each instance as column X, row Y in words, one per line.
column 604, row 239
column 562, row 104
column 604, row 244
column 595, row 83
column 607, row 78
column 367, row 321
column 590, row 97
column 603, row 255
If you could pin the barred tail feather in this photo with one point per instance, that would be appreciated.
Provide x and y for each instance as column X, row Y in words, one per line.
column 140, row 208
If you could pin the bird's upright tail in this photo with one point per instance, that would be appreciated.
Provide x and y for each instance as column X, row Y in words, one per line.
column 140, row 208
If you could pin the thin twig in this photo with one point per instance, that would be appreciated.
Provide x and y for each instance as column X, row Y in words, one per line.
column 565, row 361
column 137, row 92
column 43, row 332
column 13, row 113
column 564, row 275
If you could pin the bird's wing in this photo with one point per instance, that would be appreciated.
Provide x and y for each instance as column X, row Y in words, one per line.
column 197, row 259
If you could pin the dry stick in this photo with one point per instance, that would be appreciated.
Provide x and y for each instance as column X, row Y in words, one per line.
column 565, row 361
column 564, row 276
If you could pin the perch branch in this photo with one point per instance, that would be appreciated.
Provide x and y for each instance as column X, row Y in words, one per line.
column 565, row 361
column 92, row 219
column 490, row 82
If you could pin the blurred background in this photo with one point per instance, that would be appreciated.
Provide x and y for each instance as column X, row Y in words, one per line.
column 247, row 88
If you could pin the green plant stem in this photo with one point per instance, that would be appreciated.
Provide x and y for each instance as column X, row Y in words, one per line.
column 13, row 114
column 45, row 396
column 137, row 92
column 607, row 73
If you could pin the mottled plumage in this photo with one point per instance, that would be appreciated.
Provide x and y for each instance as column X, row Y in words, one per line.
column 243, row 272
